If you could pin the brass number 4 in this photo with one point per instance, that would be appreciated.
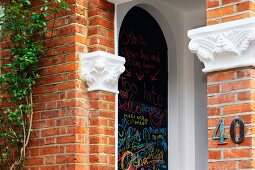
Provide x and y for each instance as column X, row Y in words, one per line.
column 221, row 129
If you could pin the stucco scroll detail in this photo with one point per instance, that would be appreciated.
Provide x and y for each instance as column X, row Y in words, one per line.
column 234, row 42
column 224, row 46
column 118, row 1
column 101, row 70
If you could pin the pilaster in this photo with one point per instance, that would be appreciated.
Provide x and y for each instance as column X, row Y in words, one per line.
column 227, row 51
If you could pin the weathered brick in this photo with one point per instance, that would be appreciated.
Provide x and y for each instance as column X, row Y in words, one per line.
column 228, row 10
column 224, row 2
column 219, row 12
column 212, row 3
column 220, row 99
column 221, row 76
column 214, row 155
column 238, row 153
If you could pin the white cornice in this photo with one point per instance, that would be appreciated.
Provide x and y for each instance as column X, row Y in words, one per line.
column 119, row 1
column 225, row 46
column 101, row 70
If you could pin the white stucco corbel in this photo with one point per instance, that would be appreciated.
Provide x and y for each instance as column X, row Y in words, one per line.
column 225, row 46
column 101, row 70
column 118, row 1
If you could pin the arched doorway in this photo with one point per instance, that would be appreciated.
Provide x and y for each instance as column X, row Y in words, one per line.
column 187, row 119
column 143, row 98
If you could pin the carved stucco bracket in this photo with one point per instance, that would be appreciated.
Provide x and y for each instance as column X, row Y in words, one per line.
column 101, row 70
column 225, row 46
column 118, row 1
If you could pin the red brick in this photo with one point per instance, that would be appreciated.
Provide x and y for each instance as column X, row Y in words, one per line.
column 213, row 111
column 216, row 13
column 49, row 141
column 102, row 4
column 66, row 139
column 33, row 152
column 245, row 164
column 238, row 85
column 97, row 158
column 212, row 3
column 240, row 108
column 213, row 89
column 214, row 155
column 220, row 76
column 238, row 153
column 229, row 165
column 102, row 149
column 220, row 99
column 247, row 14
column 70, row 159
column 50, row 132
column 98, row 139
column 229, row 1
column 76, row 148
column 245, row 73
column 49, row 150
column 244, row 6
column 34, row 161
column 67, row 67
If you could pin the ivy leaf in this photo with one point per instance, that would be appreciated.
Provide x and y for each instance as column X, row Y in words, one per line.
column 24, row 28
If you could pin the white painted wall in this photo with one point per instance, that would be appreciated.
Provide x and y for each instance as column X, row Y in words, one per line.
column 185, row 97
column 196, row 94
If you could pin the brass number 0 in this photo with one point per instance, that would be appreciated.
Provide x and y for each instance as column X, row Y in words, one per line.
column 237, row 123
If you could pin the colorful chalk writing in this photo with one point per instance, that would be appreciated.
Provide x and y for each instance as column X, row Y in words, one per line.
column 143, row 94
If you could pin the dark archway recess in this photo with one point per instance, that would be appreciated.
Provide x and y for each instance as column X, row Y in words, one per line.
column 143, row 97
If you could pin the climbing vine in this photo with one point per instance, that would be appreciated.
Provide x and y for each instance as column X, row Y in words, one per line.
column 23, row 31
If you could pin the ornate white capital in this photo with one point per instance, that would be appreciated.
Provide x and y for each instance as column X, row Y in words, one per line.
column 101, row 70
column 118, row 1
column 225, row 46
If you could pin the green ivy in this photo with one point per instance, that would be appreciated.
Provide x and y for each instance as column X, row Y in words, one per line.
column 23, row 31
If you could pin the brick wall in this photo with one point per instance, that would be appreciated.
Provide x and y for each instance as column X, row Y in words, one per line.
column 73, row 128
column 219, row 11
column 102, row 131
column 61, row 134
column 231, row 95
column 102, row 104
column 101, row 26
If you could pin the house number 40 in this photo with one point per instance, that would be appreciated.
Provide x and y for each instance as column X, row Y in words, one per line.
column 236, row 138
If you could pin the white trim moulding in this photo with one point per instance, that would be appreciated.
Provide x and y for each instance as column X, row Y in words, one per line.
column 101, row 70
column 225, row 46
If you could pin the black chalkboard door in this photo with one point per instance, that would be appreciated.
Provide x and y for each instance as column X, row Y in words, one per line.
column 143, row 97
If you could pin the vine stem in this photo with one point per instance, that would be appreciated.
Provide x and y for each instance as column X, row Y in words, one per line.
column 25, row 42
column 26, row 137
column 31, row 118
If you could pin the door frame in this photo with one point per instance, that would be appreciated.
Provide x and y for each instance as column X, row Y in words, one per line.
column 181, row 81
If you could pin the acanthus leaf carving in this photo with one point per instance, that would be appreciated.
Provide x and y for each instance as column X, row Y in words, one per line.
column 244, row 39
column 234, row 42
column 203, row 48
column 101, row 70
column 113, row 77
column 226, row 45
column 94, row 70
